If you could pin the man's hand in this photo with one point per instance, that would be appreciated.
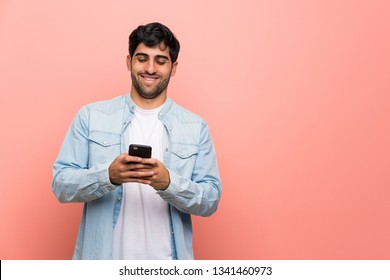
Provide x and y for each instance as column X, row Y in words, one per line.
column 160, row 179
column 149, row 171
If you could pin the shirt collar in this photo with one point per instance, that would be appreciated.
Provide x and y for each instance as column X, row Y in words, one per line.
column 164, row 111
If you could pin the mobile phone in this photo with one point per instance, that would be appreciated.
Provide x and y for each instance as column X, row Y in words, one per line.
column 138, row 150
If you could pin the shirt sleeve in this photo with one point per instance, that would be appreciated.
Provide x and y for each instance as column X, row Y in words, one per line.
column 200, row 194
column 73, row 179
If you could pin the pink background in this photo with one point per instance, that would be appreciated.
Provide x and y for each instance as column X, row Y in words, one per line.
column 296, row 93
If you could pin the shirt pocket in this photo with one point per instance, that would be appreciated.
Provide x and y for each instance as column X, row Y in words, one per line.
column 183, row 158
column 103, row 147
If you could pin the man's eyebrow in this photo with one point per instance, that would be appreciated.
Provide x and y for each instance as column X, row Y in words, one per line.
column 141, row 54
column 162, row 56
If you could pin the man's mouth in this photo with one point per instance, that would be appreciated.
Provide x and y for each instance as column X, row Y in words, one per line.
column 149, row 78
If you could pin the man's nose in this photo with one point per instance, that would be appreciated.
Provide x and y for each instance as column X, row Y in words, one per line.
column 150, row 67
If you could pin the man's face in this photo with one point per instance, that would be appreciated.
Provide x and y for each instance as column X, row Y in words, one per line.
column 151, row 69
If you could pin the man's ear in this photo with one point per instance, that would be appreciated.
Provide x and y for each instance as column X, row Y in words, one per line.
column 174, row 67
column 128, row 62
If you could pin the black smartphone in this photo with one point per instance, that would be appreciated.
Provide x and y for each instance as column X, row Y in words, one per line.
column 143, row 151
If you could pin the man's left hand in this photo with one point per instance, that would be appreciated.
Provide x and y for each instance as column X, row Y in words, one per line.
column 161, row 179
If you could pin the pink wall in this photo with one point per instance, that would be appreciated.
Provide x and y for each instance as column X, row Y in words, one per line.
column 297, row 95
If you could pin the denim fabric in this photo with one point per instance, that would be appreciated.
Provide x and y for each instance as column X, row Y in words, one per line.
column 97, row 136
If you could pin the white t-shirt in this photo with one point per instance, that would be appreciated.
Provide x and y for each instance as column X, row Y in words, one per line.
column 143, row 229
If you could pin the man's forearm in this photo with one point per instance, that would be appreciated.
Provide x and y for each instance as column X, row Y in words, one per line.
column 81, row 185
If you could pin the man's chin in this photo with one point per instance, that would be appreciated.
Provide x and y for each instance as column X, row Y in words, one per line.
column 151, row 95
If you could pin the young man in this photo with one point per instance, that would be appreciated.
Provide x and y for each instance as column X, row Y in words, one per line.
column 139, row 208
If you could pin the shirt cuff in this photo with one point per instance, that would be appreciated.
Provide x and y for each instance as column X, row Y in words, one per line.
column 173, row 188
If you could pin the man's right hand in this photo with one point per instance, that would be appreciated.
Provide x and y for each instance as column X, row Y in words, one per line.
column 125, row 169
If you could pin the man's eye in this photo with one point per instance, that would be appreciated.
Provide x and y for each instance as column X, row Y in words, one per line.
column 142, row 59
column 161, row 61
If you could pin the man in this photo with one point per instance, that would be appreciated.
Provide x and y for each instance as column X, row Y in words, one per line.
column 139, row 208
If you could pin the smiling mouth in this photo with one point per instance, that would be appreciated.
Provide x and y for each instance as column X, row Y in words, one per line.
column 149, row 78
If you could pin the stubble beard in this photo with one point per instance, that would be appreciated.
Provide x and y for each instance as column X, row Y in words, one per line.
column 152, row 93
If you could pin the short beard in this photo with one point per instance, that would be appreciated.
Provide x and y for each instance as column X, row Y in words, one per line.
column 149, row 95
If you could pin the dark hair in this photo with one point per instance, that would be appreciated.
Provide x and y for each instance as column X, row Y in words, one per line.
column 153, row 34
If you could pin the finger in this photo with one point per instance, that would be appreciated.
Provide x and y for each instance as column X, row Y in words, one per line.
column 149, row 161
column 132, row 159
column 138, row 174
column 141, row 167
column 131, row 166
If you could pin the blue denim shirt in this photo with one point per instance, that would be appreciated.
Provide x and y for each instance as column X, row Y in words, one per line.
column 97, row 136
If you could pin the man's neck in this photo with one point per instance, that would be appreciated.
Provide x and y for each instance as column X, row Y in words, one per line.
column 146, row 103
